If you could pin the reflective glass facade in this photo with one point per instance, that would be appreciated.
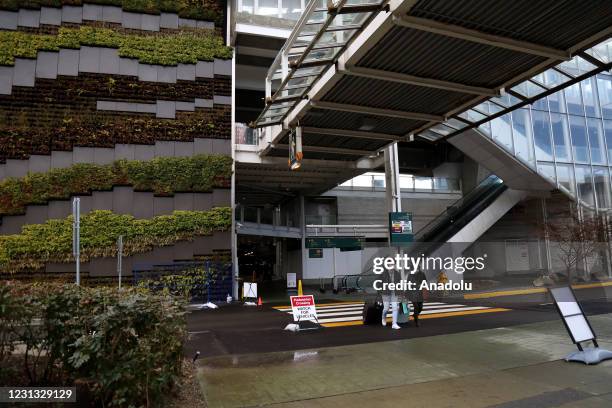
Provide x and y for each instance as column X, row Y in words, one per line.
column 566, row 137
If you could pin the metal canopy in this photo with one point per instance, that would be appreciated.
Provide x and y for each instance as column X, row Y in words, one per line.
column 399, row 69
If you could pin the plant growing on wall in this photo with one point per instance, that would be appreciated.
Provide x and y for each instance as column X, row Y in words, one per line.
column 187, row 47
column 39, row 244
column 162, row 175
column 208, row 10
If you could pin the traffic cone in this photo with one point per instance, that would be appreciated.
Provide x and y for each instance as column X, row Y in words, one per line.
column 259, row 302
column 300, row 292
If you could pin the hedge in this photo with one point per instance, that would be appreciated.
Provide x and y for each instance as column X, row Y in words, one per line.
column 196, row 9
column 163, row 176
column 186, row 47
column 120, row 348
column 52, row 241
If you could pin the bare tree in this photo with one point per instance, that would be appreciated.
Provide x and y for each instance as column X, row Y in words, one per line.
column 578, row 237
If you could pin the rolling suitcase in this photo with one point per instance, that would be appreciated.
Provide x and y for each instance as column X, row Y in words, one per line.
column 372, row 312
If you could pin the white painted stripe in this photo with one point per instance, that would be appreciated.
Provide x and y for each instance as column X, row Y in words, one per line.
column 352, row 305
column 459, row 309
column 360, row 308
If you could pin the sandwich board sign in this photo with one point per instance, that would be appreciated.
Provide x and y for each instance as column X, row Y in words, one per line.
column 303, row 308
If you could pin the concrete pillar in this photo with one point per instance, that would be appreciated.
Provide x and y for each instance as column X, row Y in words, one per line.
column 302, row 216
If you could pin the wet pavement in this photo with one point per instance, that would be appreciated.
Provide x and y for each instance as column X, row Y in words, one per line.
column 507, row 366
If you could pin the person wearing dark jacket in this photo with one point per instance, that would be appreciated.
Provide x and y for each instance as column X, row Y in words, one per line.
column 417, row 295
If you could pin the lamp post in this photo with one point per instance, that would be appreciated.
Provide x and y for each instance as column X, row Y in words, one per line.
column 76, row 236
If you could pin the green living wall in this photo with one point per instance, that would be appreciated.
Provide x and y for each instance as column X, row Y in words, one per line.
column 209, row 10
column 162, row 176
column 39, row 244
column 188, row 46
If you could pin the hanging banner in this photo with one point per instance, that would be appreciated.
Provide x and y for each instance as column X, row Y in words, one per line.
column 295, row 148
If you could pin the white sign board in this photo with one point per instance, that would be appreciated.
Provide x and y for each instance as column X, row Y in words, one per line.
column 570, row 311
column 303, row 308
column 249, row 290
column 291, row 280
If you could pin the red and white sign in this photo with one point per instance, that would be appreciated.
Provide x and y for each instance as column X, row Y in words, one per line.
column 303, row 308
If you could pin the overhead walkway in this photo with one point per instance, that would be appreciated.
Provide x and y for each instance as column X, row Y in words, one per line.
column 358, row 75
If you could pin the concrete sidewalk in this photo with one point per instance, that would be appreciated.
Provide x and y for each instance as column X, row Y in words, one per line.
column 512, row 367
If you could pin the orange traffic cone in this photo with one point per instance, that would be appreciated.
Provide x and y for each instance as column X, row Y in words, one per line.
column 259, row 302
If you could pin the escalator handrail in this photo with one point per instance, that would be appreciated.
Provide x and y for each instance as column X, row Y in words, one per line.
column 488, row 185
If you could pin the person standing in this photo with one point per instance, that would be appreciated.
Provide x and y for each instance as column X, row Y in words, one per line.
column 390, row 298
column 417, row 295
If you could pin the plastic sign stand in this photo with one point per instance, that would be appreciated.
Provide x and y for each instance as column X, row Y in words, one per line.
column 304, row 313
column 578, row 327
column 249, row 291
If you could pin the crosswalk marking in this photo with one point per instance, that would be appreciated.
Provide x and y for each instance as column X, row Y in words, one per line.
column 350, row 313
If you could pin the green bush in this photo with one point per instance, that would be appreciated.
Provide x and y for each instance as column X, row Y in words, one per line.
column 52, row 241
column 163, row 176
column 197, row 9
column 187, row 47
column 125, row 345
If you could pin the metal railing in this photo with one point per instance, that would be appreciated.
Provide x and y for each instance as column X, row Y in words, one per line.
column 376, row 182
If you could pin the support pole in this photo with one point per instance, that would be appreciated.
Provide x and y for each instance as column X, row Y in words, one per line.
column 76, row 236
column 120, row 258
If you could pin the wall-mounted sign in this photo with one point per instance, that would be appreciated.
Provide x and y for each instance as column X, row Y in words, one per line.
column 400, row 228
column 291, row 280
column 335, row 242
column 315, row 253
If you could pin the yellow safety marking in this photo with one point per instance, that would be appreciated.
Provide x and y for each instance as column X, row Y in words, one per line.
column 428, row 316
column 530, row 291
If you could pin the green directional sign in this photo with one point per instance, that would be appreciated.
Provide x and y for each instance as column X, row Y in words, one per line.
column 335, row 242
column 400, row 228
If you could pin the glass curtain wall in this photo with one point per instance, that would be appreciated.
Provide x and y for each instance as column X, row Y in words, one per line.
column 567, row 138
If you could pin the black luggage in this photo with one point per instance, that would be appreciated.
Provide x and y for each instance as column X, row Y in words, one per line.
column 372, row 312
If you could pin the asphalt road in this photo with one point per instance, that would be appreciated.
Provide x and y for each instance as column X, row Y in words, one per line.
column 238, row 329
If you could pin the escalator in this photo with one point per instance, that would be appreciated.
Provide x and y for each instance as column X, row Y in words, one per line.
column 459, row 225
column 446, row 225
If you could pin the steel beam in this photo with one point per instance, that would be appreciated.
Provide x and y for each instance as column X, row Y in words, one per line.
column 352, row 133
column 324, row 149
column 368, row 110
column 451, row 30
column 415, row 80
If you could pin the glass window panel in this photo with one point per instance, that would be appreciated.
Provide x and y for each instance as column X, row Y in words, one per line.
column 601, row 178
column 541, row 135
column 502, row 131
column 565, row 177
column 267, row 8
column 528, row 89
column 591, row 105
column 406, row 181
column 580, row 148
column 608, row 133
column 246, row 6
column 423, row 183
column 547, row 170
column 363, row 181
column 574, row 100
column 521, row 130
column 602, row 52
column 604, row 86
column 556, row 102
column 561, row 137
column 598, row 154
column 585, row 184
